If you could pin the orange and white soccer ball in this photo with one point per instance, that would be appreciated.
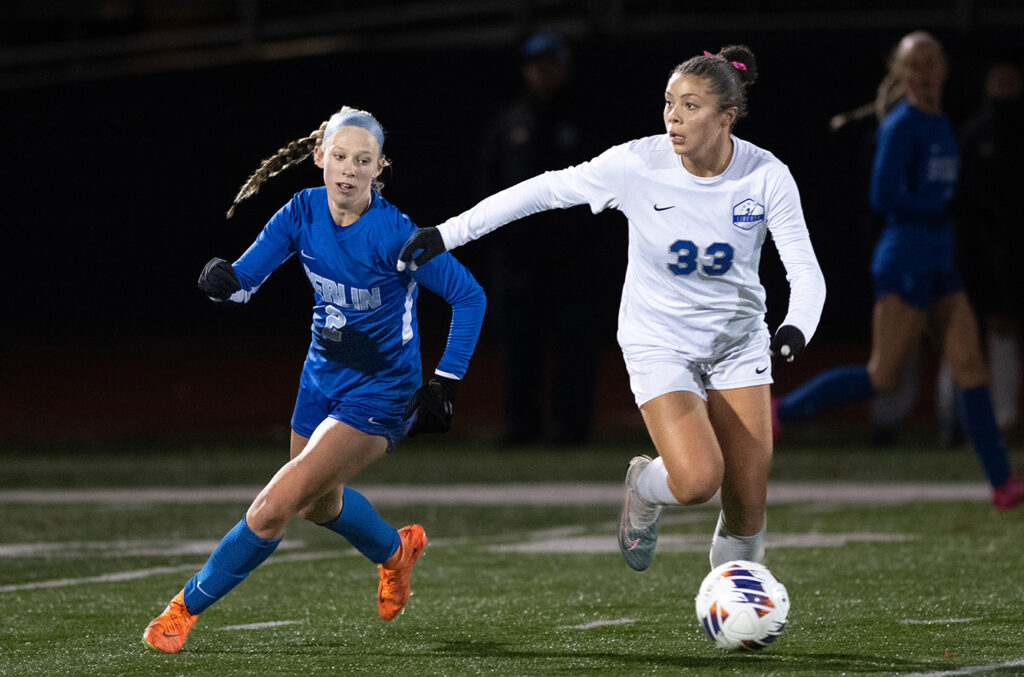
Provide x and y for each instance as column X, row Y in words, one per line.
column 742, row 605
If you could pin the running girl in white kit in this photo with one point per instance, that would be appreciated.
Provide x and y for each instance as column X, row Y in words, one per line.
column 700, row 203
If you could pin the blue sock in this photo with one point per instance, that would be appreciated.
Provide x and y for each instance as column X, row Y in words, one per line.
column 360, row 524
column 980, row 426
column 829, row 389
column 239, row 552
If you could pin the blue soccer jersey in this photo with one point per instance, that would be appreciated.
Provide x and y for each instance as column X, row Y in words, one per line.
column 912, row 181
column 914, row 173
column 365, row 342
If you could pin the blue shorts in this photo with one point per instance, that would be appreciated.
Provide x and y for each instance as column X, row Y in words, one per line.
column 373, row 416
column 916, row 264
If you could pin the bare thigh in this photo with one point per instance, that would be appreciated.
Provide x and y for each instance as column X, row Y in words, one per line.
column 326, row 507
column 896, row 331
column 682, row 434
column 334, row 454
column 956, row 328
column 741, row 418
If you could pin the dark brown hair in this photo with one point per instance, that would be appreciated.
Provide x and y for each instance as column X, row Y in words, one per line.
column 729, row 73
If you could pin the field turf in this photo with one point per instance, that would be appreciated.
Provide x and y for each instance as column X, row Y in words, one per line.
column 518, row 579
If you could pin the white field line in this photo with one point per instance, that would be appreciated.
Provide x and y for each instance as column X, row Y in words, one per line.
column 969, row 670
column 258, row 626
column 475, row 494
column 554, row 494
column 120, row 548
column 938, row 621
column 598, row 624
column 542, row 541
column 154, row 571
column 692, row 542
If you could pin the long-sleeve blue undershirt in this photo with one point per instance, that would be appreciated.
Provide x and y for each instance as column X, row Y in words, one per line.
column 915, row 167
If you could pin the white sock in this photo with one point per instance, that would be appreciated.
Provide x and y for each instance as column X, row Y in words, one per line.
column 1004, row 356
column 727, row 546
column 652, row 485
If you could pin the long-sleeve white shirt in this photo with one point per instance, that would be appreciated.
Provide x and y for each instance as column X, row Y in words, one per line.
column 692, row 282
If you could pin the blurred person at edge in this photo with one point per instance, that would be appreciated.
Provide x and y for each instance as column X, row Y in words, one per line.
column 547, row 333
column 988, row 237
column 917, row 287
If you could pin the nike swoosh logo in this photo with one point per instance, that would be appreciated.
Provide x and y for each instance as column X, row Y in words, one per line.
column 633, row 542
column 374, row 421
column 761, row 370
column 303, row 254
column 174, row 635
column 661, row 209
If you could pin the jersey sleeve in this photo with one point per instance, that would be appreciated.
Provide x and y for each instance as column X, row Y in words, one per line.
column 593, row 183
column 789, row 231
column 273, row 246
column 453, row 282
column 891, row 169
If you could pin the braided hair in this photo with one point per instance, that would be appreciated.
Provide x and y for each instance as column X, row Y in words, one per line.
column 890, row 90
column 286, row 157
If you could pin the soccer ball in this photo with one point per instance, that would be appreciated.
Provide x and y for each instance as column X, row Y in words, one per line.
column 741, row 605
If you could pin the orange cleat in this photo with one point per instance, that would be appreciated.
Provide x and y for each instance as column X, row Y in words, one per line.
column 167, row 632
column 393, row 591
column 1009, row 495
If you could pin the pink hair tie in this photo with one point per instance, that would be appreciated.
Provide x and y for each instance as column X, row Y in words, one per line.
column 739, row 66
column 707, row 53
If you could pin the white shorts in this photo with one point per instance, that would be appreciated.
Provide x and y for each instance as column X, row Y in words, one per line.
column 654, row 371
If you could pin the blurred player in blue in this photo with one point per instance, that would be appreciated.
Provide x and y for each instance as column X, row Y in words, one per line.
column 360, row 388
column 917, row 288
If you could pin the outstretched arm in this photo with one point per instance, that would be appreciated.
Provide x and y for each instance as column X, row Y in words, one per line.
column 594, row 182
column 223, row 281
column 521, row 200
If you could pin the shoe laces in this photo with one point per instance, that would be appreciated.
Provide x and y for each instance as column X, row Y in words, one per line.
column 177, row 617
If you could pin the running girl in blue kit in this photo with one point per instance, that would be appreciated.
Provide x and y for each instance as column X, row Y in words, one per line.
column 917, row 287
column 360, row 388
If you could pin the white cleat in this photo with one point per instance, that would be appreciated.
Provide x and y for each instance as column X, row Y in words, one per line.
column 638, row 523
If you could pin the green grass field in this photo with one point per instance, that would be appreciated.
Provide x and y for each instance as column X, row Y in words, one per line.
column 518, row 579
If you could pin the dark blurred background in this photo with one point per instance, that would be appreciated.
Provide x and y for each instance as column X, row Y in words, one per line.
column 129, row 125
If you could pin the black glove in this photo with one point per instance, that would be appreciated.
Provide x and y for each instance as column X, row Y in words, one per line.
column 218, row 279
column 787, row 343
column 427, row 241
column 431, row 406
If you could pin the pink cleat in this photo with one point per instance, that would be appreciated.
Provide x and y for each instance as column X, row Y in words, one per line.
column 1008, row 495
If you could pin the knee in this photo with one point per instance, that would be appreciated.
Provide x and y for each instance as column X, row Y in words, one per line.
column 883, row 382
column 970, row 373
column 268, row 515
column 310, row 514
column 321, row 511
column 696, row 486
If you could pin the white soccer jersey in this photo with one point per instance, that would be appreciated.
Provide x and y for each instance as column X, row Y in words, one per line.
column 692, row 281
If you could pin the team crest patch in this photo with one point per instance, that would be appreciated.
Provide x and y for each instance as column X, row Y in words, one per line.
column 747, row 214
